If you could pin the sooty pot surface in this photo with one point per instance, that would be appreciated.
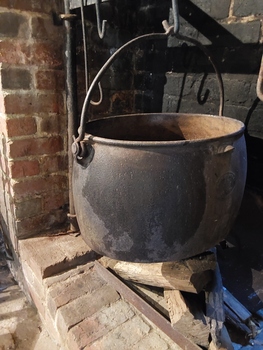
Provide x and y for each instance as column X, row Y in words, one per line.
column 159, row 187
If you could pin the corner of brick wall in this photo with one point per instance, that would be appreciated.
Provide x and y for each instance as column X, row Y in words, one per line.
column 34, row 180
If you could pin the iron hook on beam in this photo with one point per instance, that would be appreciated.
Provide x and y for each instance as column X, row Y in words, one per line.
column 101, row 25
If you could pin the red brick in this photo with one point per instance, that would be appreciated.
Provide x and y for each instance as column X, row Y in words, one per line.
column 24, row 168
column 83, row 307
column 53, row 124
column 50, row 80
column 27, row 209
column 54, row 201
column 39, row 185
column 21, row 126
column 14, row 52
column 43, row 28
column 72, row 288
column 29, row 103
column 16, row 78
column 47, row 54
column 53, row 164
column 11, row 24
column 32, row 147
column 98, row 325
column 79, row 338
column 41, row 223
column 32, row 5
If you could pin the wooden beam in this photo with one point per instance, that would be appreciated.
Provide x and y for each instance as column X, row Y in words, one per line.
column 216, row 313
column 238, row 308
column 187, row 317
column 191, row 275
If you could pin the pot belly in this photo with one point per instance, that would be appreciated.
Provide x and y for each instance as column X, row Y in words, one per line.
column 158, row 204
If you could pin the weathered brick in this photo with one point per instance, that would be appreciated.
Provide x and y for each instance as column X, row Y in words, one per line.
column 231, row 34
column 122, row 102
column 72, row 288
column 50, row 80
column 120, row 337
column 27, row 227
column 54, row 201
column 47, row 54
column 21, row 126
column 14, row 52
column 23, row 168
column 43, row 28
column 65, row 253
column 16, row 78
column 151, row 341
column 98, row 325
column 53, row 124
column 29, row 208
column 33, row 146
column 28, row 103
column 172, row 104
column 237, row 92
column 32, row 5
column 248, row 7
column 11, row 23
column 34, row 186
column 246, row 33
column 83, row 307
column 212, row 8
column 53, row 164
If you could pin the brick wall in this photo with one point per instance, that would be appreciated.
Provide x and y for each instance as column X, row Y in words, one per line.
column 175, row 76
column 33, row 122
column 233, row 32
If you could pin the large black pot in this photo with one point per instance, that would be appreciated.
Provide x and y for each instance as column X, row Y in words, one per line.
column 159, row 187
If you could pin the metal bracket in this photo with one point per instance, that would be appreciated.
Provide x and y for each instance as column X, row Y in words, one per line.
column 68, row 16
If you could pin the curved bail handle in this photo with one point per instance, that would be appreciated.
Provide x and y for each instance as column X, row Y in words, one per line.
column 168, row 31
column 96, row 80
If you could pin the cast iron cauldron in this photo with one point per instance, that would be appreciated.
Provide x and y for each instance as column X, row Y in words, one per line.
column 157, row 187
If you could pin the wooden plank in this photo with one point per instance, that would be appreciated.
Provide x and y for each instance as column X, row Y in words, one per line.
column 187, row 318
column 238, row 308
column 191, row 275
column 226, row 343
column 216, row 314
column 236, row 321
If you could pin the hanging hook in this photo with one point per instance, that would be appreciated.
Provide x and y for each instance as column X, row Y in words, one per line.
column 97, row 103
column 175, row 15
column 101, row 25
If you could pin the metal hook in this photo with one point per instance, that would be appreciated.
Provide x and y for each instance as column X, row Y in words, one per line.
column 101, row 25
column 101, row 96
column 175, row 16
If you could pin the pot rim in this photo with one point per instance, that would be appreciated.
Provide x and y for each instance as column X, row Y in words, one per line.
column 129, row 143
